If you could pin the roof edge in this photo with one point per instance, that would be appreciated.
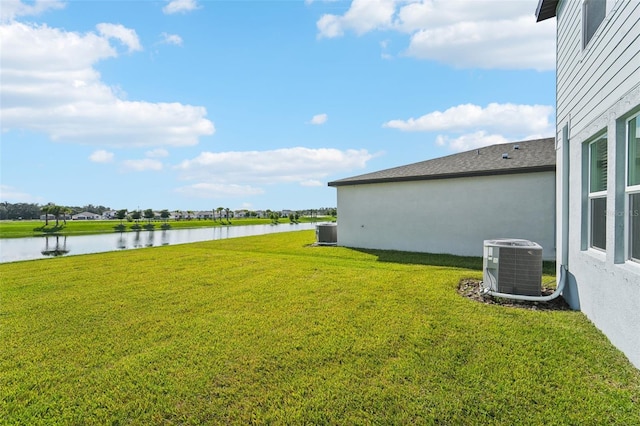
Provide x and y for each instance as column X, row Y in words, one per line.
column 546, row 9
column 521, row 170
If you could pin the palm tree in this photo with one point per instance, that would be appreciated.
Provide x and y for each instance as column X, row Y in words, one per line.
column 56, row 211
column 226, row 210
column 219, row 210
column 65, row 212
column 46, row 210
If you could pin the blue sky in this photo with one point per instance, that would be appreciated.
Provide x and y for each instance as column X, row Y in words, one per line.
column 194, row 104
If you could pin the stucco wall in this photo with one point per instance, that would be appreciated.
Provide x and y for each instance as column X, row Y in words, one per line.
column 450, row 216
column 598, row 89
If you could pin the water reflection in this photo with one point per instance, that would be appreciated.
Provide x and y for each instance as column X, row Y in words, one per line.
column 150, row 237
column 122, row 242
column 14, row 249
column 58, row 249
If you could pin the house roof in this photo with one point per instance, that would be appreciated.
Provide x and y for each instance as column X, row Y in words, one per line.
column 531, row 156
column 546, row 9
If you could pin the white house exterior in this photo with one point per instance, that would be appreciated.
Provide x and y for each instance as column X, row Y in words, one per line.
column 598, row 157
column 86, row 216
column 452, row 204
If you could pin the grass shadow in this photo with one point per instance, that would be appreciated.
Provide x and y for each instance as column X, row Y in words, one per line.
column 435, row 259
column 49, row 230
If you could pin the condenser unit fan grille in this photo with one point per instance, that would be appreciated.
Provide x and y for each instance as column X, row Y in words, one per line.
column 513, row 267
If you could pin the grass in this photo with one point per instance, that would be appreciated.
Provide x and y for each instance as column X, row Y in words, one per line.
column 268, row 330
column 36, row 228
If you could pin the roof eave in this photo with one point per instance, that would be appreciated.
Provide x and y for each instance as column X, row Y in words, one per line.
column 546, row 9
column 535, row 169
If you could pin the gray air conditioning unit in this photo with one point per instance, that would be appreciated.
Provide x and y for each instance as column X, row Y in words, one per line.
column 513, row 266
column 327, row 234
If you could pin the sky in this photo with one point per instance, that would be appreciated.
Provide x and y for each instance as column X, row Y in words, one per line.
column 199, row 104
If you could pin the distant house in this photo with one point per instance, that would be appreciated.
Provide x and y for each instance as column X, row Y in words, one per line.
column 109, row 214
column 598, row 151
column 86, row 216
column 452, row 204
column 204, row 214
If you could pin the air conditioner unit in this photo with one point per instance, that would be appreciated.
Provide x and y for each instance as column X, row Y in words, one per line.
column 327, row 234
column 513, row 266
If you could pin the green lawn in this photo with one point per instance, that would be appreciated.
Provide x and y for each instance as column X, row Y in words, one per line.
column 35, row 228
column 269, row 330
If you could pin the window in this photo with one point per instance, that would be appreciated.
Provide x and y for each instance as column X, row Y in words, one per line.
column 598, row 193
column 633, row 186
column 593, row 13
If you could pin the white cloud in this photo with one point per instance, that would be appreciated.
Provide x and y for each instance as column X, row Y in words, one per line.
column 319, row 119
column 180, row 6
column 142, row 165
column 508, row 118
column 293, row 165
column 311, row 182
column 470, row 141
column 478, row 126
column 464, row 33
column 518, row 43
column 101, row 156
column 50, row 85
column 126, row 36
column 174, row 39
column 157, row 153
column 363, row 16
column 13, row 195
column 218, row 190
column 12, row 9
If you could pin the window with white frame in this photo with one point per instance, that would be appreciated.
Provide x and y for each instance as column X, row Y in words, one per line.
column 593, row 13
column 633, row 186
column 598, row 193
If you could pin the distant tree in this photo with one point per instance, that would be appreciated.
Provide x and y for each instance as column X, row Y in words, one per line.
column 46, row 210
column 164, row 214
column 56, row 211
column 148, row 214
column 66, row 211
column 189, row 214
column 219, row 210
column 226, row 210
column 275, row 217
column 177, row 214
column 136, row 215
column 121, row 214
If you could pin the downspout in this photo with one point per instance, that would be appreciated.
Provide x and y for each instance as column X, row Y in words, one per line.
column 556, row 293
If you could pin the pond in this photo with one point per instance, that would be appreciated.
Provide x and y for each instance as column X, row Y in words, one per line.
column 15, row 249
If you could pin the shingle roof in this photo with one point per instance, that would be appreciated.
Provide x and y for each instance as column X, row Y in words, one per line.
column 531, row 156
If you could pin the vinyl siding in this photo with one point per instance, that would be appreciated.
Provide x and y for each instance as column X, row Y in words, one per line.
column 590, row 80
